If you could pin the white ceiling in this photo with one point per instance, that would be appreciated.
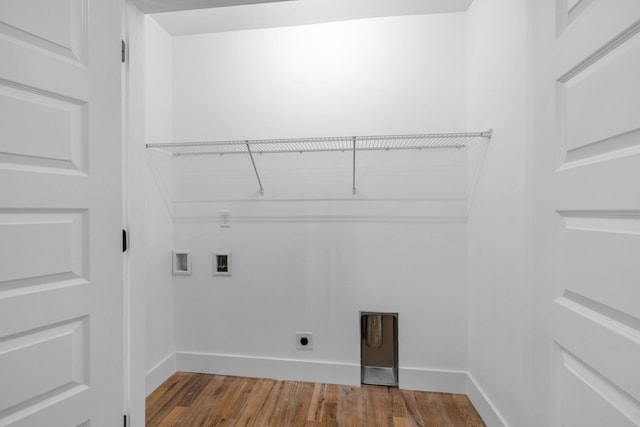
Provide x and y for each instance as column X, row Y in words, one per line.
column 289, row 13
column 156, row 6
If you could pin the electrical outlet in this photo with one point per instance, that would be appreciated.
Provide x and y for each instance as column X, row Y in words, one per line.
column 304, row 340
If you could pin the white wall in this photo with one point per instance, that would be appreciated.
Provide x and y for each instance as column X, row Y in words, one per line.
column 308, row 255
column 307, row 263
column 372, row 76
column 160, row 341
column 497, row 97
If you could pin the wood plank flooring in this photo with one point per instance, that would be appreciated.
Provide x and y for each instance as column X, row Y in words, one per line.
column 199, row 400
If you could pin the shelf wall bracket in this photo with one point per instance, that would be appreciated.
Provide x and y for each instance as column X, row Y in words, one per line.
column 486, row 134
column 255, row 169
column 354, row 165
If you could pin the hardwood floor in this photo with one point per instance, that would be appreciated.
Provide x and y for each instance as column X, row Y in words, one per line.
column 199, row 400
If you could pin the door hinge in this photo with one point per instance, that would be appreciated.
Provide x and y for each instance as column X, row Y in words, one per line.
column 124, row 240
column 124, row 52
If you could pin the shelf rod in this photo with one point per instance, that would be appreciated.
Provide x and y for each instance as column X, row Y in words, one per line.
column 354, row 165
column 255, row 169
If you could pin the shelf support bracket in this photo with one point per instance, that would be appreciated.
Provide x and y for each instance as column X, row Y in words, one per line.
column 487, row 133
column 354, row 165
column 255, row 169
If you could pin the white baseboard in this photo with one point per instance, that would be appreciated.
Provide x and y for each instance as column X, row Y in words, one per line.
column 436, row 380
column 264, row 367
column 483, row 405
column 159, row 373
column 315, row 371
column 419, row 379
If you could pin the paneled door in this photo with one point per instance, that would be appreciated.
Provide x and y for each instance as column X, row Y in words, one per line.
column 590, row 67
column 60, row 213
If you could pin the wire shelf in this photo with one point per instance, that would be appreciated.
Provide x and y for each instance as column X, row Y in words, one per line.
column 306, row 145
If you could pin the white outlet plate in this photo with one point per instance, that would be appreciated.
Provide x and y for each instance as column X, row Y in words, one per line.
column 224, row 219
column 300, row 338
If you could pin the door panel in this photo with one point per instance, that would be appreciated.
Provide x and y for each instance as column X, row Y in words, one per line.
column 600, row 339
column 585, row 388
column 60, row 213
column 48, row 247
column 42, row 130
column 600, row 260
column 588, row 29
column 57, row 26
column 596, row 199
column 20, row 363
column 604, row 89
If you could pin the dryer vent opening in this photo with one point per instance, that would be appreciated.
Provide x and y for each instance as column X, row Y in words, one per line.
column 379, row 348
